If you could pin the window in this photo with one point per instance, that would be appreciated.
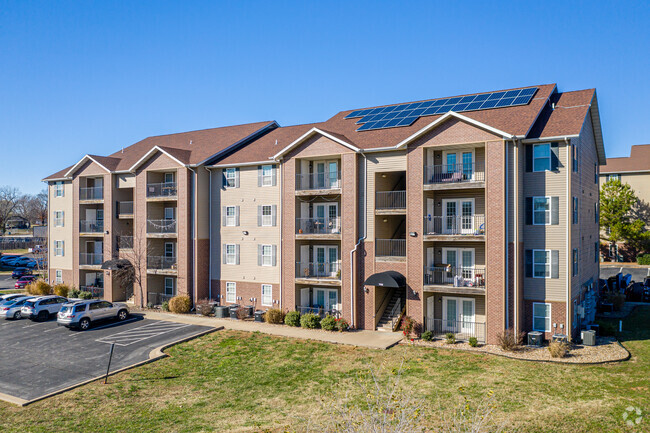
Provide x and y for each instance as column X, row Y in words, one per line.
column 596, row 252
column 267, row 175
column 542, row 157
column 231, row 292
column 574, row 151
column 231, row 254
column 231, row 177
column 541, row 317
column 170, row 289
column 575, row 210
column 58, row 248
column 575, row 262
column 58, row 189
column 613, row 177
column 596, row 212
column 267, row 294
column 541, row 210
column 231, row 216
column 169, row 177
column 541, row 263
column 58, row 218
column 267, row 255
column 267, row 216
column 58, row 279
column 595, row 173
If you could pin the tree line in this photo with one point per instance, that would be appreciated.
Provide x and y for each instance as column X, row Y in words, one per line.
column 31, row 208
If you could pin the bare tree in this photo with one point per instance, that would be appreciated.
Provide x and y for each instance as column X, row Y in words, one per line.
column 32, row 208
column 137, row 256
column 9, row 198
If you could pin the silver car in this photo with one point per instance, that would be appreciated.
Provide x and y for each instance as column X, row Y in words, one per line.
column 11, row 309
column 11, row 296
column 42, row 307
column 80, row 314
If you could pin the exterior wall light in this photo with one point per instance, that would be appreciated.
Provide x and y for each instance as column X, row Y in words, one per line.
column 413, row 234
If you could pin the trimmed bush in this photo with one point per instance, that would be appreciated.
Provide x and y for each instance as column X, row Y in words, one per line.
column 180, row 304
column 328, row 323
column 61, row 290
column 508, row 341
column 643, row 259
column 292, row 318
column 310, row 321
column 450, row 338
column 616, row 299
column 242, row 313
column 74, row 292
column 473, row 341
column 427, row 335
column 275, row 316
column 39, row 288
column 558, row 349
column 85, row 295
column 606, row 328
column 203, row 307
column 342, row 325
column 165, row 306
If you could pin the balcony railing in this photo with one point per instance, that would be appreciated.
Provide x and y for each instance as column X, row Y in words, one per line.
column 165, row 189
column 161, row 262
column 455, row 276
column 157, row 298
column 124, row 242
column 90, row 259
column 455, row 225
column 318, row 181
column 91, row 226
column 95, row 291
column 91, row 193
column 453, row 173
column 318, row 270
column 390, row 248
column 161, row 226
column 462, row 330
column 124, row 208
column 318, row 226
column 386, row 200
column 318, row 311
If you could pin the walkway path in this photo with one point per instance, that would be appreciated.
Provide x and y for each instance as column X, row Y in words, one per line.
column 370, row 339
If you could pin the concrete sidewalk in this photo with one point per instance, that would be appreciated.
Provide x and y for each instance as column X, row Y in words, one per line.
column 369, row 339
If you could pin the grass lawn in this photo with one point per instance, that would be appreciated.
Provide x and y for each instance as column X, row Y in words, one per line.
column 235, row 381
column 16, row 251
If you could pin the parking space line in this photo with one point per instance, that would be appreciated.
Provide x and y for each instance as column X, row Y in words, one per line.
column 35, row 324
column 141, row 333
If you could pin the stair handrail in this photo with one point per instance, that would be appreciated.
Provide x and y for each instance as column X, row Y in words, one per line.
column 382, row 306
column 396, row 307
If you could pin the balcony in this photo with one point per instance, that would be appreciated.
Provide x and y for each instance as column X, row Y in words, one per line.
column 447, row 176
column 124, row 242
column 157, row 298
column 161, row 265
column 394, row 248
column 90, row 260
column 321, row 228
column 95, row 193
column 390, row 202
column 162, row 191
column 161, row 228
column 323, row 273
column 125, row 209
column 462, row 330
column 455, row 279
column 318, row 182
column 468, row 227
column 91, row 227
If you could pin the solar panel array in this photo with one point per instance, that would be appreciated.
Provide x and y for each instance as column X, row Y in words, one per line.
column 405, row 114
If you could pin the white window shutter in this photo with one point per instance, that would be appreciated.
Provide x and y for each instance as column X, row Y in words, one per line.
column 63, row 248
column 237, row 254
column 224, row 253
column 274, row 176
column 236, row 177
column 274, row 254
column 274, row 213
column 62, row 218
column 259, row 255
column 237, row 216
column 259, row 216
column 223, row 216
column 259, row 175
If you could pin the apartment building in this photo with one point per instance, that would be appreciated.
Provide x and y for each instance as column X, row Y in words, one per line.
column 633, row 170
column 471, row 214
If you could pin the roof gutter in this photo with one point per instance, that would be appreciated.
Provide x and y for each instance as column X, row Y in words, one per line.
column 545, row 139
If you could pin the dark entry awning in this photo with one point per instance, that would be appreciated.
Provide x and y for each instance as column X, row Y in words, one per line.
column 117, row 264
column 392, row 279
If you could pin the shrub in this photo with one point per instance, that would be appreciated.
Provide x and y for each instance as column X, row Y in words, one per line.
column 473, row 341
column 407, row 326
column 616, row 299
column 85, row 295
column 328, row 323
column 342, row 325
column 427, row 335
column 310, row 321
column 558, row 349
column 242, row 313
column 606, row 328
column 180, row 304
column 165, row 306
column 292, row 318
column 643, row 259
column 275, row 316
column 203, row 307
column 74, row 292
column 450, row 338
column 39, row 288
column 61, row 290
column 509, row 341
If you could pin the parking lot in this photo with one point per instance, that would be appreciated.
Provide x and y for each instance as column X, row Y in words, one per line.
column 40, row 358
column 6, row 282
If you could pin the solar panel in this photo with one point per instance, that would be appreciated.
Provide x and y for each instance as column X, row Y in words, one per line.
column 394, row 116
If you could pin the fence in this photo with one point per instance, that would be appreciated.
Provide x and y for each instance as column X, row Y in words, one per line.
column 456, row 276
column 390, row 200
column 318, row 270
column 390, row 247
column 157, row 298
column 20, row 243
column 455, row 225
column 462, row 330
column 325, row 180
column 97, row 292
column 318, row 311
column 451, row 173
column 318, row 226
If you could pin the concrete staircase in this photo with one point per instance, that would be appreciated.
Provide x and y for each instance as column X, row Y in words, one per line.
column 386, row 321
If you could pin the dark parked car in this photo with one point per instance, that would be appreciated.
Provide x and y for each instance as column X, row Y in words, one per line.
column 646, row 290
column 20, row 272
column 23, row 281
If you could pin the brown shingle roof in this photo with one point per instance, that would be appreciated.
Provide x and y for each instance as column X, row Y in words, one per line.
column 58, row 175
column 567, row 118
column 639, row 160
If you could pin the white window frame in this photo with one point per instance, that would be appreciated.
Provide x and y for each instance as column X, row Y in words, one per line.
column 267, row 179
column 58, row 276
column 574, row 211
column 231, row 176
column 267, row 259
column 58, row 189
column 59, row 249
column 59, row 218
column 169, row 174
column 546, row 212
column 231, row 257
column 231, row 220
column 231, row 292
column 547, row 319
column 267, row 220
column 613, row 177
column 549, row 157
column 547, row 264
column 267, row 298
column 173, row 287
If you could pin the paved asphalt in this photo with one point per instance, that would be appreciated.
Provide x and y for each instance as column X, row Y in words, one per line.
column 38, row 358
column 638, row 274
column 6, row 282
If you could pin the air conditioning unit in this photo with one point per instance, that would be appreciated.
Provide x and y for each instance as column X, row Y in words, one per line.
column 535, row 338
column 588, row 337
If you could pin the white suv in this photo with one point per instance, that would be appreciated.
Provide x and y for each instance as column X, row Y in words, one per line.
column 81, row 314
column 42, row 307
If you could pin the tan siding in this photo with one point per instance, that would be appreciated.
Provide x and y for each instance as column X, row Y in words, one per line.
column 64, row 233
column 125, row 181
column 377, row 163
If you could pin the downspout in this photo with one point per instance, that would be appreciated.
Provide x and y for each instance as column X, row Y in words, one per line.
column 516, row 236
column 210, row 236
column 569, row 245
column 506, row 232
column 361, row 239
column 279, row 220
column 193, row 219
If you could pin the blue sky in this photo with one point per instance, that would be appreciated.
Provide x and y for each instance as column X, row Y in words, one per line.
column 91, row 77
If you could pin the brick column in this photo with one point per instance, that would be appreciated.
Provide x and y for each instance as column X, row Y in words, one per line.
column 414, row 245
column 287, row 232
column 349, row 236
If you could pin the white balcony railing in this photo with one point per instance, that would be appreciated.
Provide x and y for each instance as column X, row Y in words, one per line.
column 165, row 189
column 453, row 173
column 318, row 226
column 91, row 193
column 91, row 226
column 318, row 181
column 166, row 226
column 455, row 276
column 455, row 225
column 318, row 270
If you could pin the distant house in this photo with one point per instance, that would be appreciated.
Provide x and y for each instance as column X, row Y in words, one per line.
column 633, row 170
column 17, row 222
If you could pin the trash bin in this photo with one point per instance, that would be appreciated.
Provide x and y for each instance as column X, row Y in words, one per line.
column 259, row 316
column 588, row 337
column 221, row 312
column 249, row 310
column 535, row 338
column 233, row 311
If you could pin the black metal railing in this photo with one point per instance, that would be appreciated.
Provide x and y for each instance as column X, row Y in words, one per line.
column 385, row 200
column 456, row 276
column 90, row 259
column 318, row 181
column 91, row 193
column 91, row 226
column 450, row 173
column 318, row 311
column 454, row 225
column 165, row 189
column 157, row 298
column 124, row 242
column 95, row 291
column 318, row 226
column 161, row 262
column 161, row 226
column 462, row 330
column 318, row 270
column 124, row 208
column 390, row 248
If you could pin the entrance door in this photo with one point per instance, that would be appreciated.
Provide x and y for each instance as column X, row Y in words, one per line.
column 333, row 174
column 458, row 216
column 326, row 219
column 327, row 299
column 304, row 297
column 458, row 315
column 430, row 319
column 460, row 162
column 326, row 260
column 461, row 261
column 320, row 175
